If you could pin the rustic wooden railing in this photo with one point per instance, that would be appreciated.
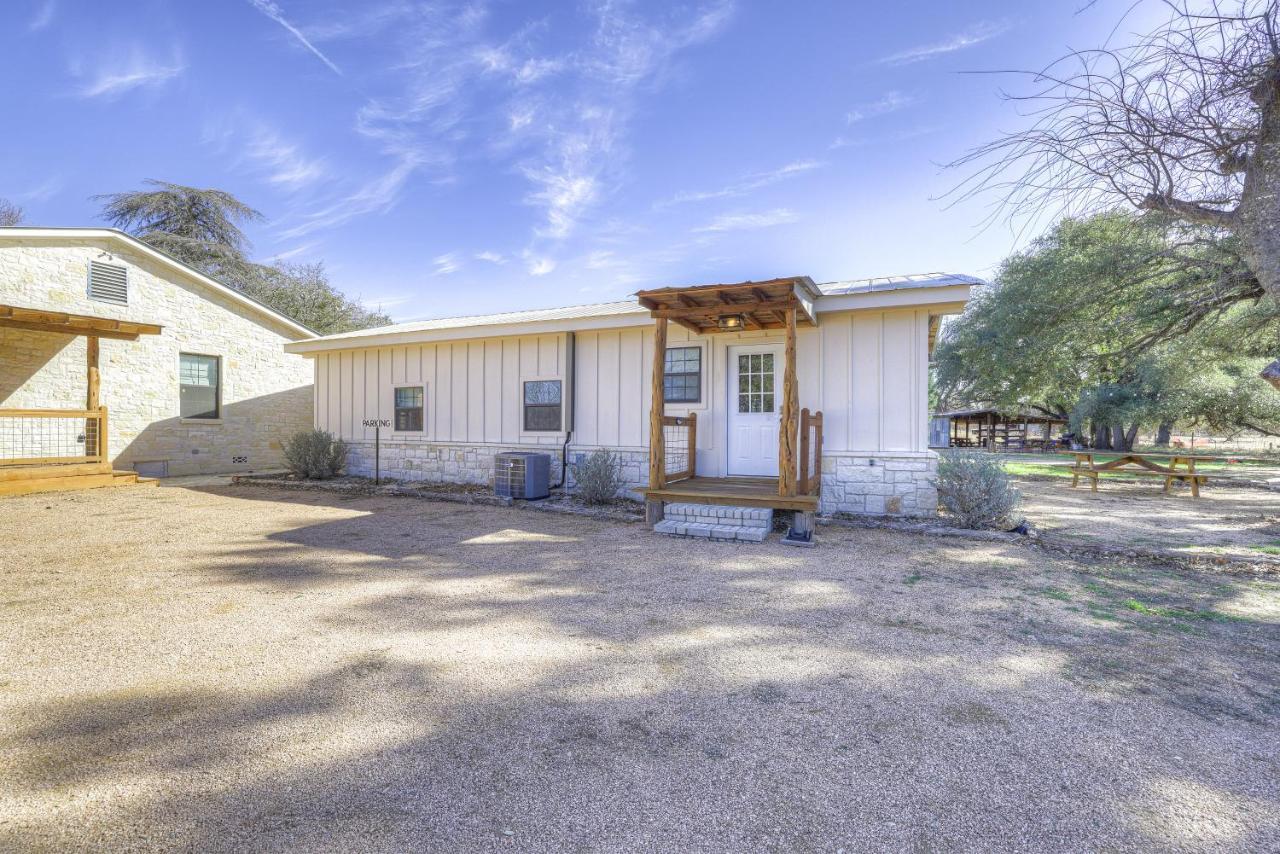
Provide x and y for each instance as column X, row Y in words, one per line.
column 680, row 443
column 809, row 479
column 49, row 436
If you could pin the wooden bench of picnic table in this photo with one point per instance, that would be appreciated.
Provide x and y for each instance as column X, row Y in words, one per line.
column 1085, row 466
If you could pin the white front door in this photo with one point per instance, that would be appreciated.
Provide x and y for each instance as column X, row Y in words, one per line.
column 754, row 391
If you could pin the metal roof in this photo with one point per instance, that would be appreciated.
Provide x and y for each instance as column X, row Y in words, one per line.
column 897, row 283
column 631, row 307
column 573, row 312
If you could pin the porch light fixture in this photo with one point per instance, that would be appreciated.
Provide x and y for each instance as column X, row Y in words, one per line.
column 730, row 322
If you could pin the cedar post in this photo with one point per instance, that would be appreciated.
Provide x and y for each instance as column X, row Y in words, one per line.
column 657, row 450
column 803, row 482
column 789, row 421
column 693, row 445
column 95, row 382
column 92, row 400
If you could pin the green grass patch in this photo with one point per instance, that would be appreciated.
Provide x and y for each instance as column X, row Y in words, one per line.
column 1271, row 548
column 1055, row 593
column 1209, row 616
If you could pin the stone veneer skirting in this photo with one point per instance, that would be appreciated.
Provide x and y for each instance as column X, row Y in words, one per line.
column 898, row 484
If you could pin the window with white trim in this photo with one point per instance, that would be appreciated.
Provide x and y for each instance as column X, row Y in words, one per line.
column 542, row 406
column 410, row 402
column 682, row 375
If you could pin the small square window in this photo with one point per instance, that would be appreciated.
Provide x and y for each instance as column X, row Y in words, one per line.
column 542, row 406
column 409, row 406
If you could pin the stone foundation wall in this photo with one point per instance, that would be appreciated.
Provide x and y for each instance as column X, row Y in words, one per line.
column 865, row 483
column 457, row 462
column 879, row 484
column 438, row 462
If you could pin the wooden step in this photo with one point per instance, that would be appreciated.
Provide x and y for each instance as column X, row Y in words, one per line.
column 74, row 482
column 42, row 472
column 56, row 484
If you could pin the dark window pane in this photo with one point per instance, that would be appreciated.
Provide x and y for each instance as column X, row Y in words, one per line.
column 198, row 379
column 540, row 417
column 409, row 406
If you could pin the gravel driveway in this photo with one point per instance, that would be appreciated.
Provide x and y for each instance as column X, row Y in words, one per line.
column 236, row 668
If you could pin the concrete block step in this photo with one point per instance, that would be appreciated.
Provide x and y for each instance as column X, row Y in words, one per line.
column 704, row 530
column 717, row 515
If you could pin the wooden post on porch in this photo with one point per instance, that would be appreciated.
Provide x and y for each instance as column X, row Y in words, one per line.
column 789, row 422
column 92, row 401
column 94, row 379
column 657, row 447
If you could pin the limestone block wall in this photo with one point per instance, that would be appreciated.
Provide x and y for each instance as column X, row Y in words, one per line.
column 437, row 462
column 879, row 484
column 266, row 393
column 873, row 484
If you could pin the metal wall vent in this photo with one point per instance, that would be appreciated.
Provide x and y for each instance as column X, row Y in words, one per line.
column 108, row 283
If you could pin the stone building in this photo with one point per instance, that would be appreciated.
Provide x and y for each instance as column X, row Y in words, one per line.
column 193, row 376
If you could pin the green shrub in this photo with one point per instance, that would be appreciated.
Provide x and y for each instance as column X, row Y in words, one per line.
column 975, row 491
column 599, row 477
column 315, row 455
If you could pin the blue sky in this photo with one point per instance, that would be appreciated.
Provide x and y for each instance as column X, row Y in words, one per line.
column 465, row 157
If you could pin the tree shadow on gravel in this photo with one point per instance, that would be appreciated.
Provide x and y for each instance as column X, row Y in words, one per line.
column 606, row 690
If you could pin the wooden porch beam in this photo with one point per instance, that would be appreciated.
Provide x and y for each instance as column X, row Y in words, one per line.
column 790, row 418
column 36, row 326
column 687, row 324
column 711, row 311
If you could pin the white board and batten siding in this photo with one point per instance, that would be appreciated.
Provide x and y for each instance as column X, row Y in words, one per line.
column 472, row 389
column 867, row 371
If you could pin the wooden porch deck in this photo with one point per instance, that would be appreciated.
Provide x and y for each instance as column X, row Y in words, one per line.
column 734, row 491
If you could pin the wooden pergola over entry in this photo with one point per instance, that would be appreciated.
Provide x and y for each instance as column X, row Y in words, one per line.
column 777, row 304
column 40, row 320
column 60, row 462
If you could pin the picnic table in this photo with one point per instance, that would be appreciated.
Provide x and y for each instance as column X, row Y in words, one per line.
column 1177, row 466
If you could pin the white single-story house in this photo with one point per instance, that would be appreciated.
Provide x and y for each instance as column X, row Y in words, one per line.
column 796, row 395
column 114, row 356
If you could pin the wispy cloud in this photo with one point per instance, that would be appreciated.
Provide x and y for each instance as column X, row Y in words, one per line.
column 890, row 102
column 133, row 71
column 377, row 195
column 748, row 183
column 491, row 257
column 584, row 145
column 896, row 136
column 750, row 221
column 975, row 35
column 286, row 165
column 447, row 264
column 290, row 254
column 538, row 265
column 43, row 16
column 556, row 115
column 43, row 191
column 273, row 11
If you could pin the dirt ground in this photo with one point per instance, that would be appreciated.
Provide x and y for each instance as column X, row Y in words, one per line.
column 235, row 668
column 1226, row 520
